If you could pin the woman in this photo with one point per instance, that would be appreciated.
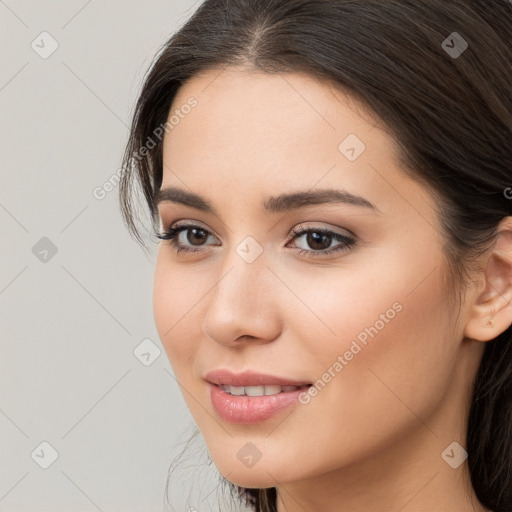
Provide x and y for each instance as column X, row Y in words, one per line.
column 331, row 181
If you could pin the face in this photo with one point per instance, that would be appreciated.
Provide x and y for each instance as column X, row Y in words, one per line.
column 345, row 295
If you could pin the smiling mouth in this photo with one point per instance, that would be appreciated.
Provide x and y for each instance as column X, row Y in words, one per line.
column 253, row 404
column 266, row 390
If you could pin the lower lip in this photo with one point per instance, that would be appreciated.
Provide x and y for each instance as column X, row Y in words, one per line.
column 250, row 409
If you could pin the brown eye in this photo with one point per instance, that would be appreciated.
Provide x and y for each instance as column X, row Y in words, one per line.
column 319, row 240
column 196, row 236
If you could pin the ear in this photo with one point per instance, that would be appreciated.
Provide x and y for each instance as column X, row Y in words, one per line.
column 491, row 311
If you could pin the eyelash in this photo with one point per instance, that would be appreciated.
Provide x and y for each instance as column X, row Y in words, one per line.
column 348, row 243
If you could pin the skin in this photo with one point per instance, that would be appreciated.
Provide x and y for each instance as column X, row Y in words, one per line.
column 372, row 438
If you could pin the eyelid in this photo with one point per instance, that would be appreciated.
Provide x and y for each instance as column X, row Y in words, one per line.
column 304, row 227
column 346, row 242
column 185, row 225
column 294, row 231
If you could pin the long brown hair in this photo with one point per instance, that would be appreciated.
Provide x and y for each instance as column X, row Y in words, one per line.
column 439, row 75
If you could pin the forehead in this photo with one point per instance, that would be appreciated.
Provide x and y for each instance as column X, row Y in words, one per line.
column 274, row 118
column 258, row 100
column 258, row 133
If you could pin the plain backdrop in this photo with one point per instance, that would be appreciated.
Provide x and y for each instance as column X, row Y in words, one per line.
column 90, row 413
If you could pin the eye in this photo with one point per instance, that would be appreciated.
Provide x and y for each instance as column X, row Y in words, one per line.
column 194, row 234
column 318, row 239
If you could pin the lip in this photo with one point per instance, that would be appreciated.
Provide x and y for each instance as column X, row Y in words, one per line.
column 250, row 378
column 250, row 409
column 245, row 409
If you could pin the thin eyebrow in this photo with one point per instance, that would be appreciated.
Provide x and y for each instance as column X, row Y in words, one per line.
column 274, row 204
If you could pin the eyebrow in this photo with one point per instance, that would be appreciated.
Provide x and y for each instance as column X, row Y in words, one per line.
column 274, row 204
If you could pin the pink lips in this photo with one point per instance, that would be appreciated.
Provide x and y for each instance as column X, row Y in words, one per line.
column 249, row 378
column 250, row 409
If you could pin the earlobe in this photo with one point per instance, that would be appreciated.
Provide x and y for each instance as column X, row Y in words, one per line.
column 491, row 311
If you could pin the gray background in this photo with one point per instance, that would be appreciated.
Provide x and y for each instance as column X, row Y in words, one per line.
column 72, row 319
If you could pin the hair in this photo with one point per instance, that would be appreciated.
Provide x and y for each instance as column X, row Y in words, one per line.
column 449, row 114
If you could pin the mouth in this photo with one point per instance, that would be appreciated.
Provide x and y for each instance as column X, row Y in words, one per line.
column 253, row 381
column 263, row 390
column 249, row 397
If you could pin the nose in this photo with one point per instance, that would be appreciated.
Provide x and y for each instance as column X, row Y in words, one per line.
column 243, row 305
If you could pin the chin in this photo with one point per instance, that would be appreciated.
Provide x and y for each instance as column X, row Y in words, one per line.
column 258, row 476
column 252, row 479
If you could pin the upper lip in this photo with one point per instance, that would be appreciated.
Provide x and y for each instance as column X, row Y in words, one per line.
column 250, row 378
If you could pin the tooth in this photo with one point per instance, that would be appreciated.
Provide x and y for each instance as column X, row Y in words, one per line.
column 266, row 390
column 272, row 390
column 290, row 388
column 254, row 390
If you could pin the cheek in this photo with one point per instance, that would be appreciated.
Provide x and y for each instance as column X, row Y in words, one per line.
column 390, row 355
column 173, row 301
